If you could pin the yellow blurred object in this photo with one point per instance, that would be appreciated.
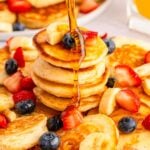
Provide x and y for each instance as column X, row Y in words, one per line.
column 143, row 7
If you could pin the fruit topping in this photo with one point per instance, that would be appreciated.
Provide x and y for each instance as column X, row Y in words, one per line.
column 146, row 122
column 3, row 121
column 88, row 5
column 8, row 41
column 126, row 76
column 147, row 57
column 128, row 100
column 111, row 82
column 68, row 41
column 13, row 82
column 11, row 66
column 89, row 34
column 18, row 26
column 54, row 123
column 71, row 118
column 110, row 44
column 24, row 95
column 49, row 141
column 127, row 124
column 25, row 107
column 19, row 57
column 27, row 83
column 19, row 6
column 104, row 36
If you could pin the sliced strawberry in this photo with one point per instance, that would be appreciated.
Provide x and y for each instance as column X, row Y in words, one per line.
column 89, row 34
column 71, row 118
column 19, row 6
column 88, row 5
column 147, row 57
column 19, row 57
column 146, row 122
column 126, row 76
column 104, row 36
column 3, row 121
column 23, row 95
column 128, row 100
column 27, row 83
column 13, row 82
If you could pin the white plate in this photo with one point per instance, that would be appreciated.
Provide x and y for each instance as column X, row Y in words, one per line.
column 82, row 20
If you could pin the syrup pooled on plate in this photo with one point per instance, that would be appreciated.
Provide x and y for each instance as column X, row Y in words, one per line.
column 78, row 50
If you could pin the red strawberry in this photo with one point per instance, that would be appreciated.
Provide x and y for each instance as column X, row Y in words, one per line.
column 23, row 95
column 146, row 122
column 3, row 121
column 88, row 5
column 104, row 36
column 147, row 57
column 128, row 100
column 19, row 57
column 71, row 118
column 89, row 34
column 126, row 76
column 13, row 82
column 27, row 83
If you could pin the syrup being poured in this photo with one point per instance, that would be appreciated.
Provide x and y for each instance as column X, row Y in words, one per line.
column 78, row 50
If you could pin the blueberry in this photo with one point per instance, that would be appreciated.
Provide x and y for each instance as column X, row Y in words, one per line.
column 49, row 141
column 18, row 26
column 68, row 41
column 110, row 83
column 127, row 124
column 110, row 44
column 25, row 107
column 11, row 66
column 54, row 123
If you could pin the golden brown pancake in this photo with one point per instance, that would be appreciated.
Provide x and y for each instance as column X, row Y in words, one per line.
column 51, row 73
column 64, row 90
column 41, row 17
column 61, row 104
column 61, row 57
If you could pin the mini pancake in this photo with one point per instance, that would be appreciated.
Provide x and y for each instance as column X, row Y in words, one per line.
column 61, row 57
column 23, row 133
column 41, row 17
column 61, row 104
column 51, row 73
column 64, row 90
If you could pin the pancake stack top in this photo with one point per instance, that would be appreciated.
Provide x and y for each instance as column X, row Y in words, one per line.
column 53, row 73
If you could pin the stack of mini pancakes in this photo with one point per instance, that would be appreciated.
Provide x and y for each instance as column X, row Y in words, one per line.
column 53, row 74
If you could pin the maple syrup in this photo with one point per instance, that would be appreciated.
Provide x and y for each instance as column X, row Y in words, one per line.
column 78, row 50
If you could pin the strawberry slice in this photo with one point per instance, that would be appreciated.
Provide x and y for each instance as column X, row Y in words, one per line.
column 13, row 82
column 3, row 121
column 23, row 95
column 147, row 57
column 89, row 34
column 146, row 122
column 128, row 100
column 88, row 5
column 126, row 76
column 19, row 57
column 27, row 83
column 71, row 118
column 104, row 36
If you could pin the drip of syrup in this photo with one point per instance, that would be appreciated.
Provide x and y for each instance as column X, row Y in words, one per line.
column 78, row 50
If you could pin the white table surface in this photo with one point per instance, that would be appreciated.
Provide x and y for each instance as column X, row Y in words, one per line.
column 114, row 21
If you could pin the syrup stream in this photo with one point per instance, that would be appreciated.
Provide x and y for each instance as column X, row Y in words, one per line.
column 78, row 50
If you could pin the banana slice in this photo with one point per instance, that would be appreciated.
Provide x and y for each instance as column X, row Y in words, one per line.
column 143, row 70
column 54, row 33
column 23, row 133
column 10, row 115
column 25, row 42
column 146, row 86
column 5, row 27
column 6, row 101
column 108, row 101
column 96, row 141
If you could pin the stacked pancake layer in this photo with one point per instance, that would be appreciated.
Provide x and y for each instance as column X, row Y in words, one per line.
column 53, row 74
